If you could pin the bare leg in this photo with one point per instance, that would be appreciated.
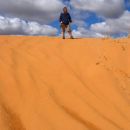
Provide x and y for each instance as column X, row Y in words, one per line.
column 63, row 31
column 63, row 34
column 70, row 33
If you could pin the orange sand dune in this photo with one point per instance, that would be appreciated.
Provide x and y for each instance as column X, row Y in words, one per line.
column 54, row 84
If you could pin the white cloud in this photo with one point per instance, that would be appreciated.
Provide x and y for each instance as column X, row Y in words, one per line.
column 105, row 8
column 16, row 26
column 83, row 32
column 15, row 12
column 43, row 11
column 113, row 26
column 110, row 27
column 79, row 17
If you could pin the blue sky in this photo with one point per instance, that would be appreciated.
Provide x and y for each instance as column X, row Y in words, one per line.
column 91, row 18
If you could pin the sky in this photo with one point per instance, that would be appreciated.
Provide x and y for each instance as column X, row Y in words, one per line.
column 91, row 18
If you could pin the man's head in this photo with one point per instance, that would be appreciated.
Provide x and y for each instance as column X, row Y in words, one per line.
column 65, row 10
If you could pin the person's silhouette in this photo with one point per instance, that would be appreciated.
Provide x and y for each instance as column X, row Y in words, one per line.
column 65, row 20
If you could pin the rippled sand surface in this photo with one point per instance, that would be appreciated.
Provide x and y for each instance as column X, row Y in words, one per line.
column 54, row 84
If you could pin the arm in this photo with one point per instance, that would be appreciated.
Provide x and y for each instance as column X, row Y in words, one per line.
column 70, row 19
column 60, row 18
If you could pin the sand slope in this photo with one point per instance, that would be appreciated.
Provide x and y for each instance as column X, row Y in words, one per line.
column 54, row 84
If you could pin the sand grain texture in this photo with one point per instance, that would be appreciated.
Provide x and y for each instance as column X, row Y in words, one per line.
column 54, row 84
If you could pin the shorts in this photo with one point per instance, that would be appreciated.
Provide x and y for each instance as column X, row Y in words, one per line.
column 66, row 27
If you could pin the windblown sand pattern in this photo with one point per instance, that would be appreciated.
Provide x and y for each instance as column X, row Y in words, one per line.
column 54, row 84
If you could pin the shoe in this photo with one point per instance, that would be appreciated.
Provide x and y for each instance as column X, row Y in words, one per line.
column 63, row 37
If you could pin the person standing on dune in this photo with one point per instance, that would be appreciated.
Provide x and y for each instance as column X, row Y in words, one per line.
column 65, row 20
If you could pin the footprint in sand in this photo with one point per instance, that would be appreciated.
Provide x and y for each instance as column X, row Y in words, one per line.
column 104, row 58
column 123, row 48
column 98, row 63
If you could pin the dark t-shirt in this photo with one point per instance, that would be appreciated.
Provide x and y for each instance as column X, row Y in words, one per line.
column 65, row 18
